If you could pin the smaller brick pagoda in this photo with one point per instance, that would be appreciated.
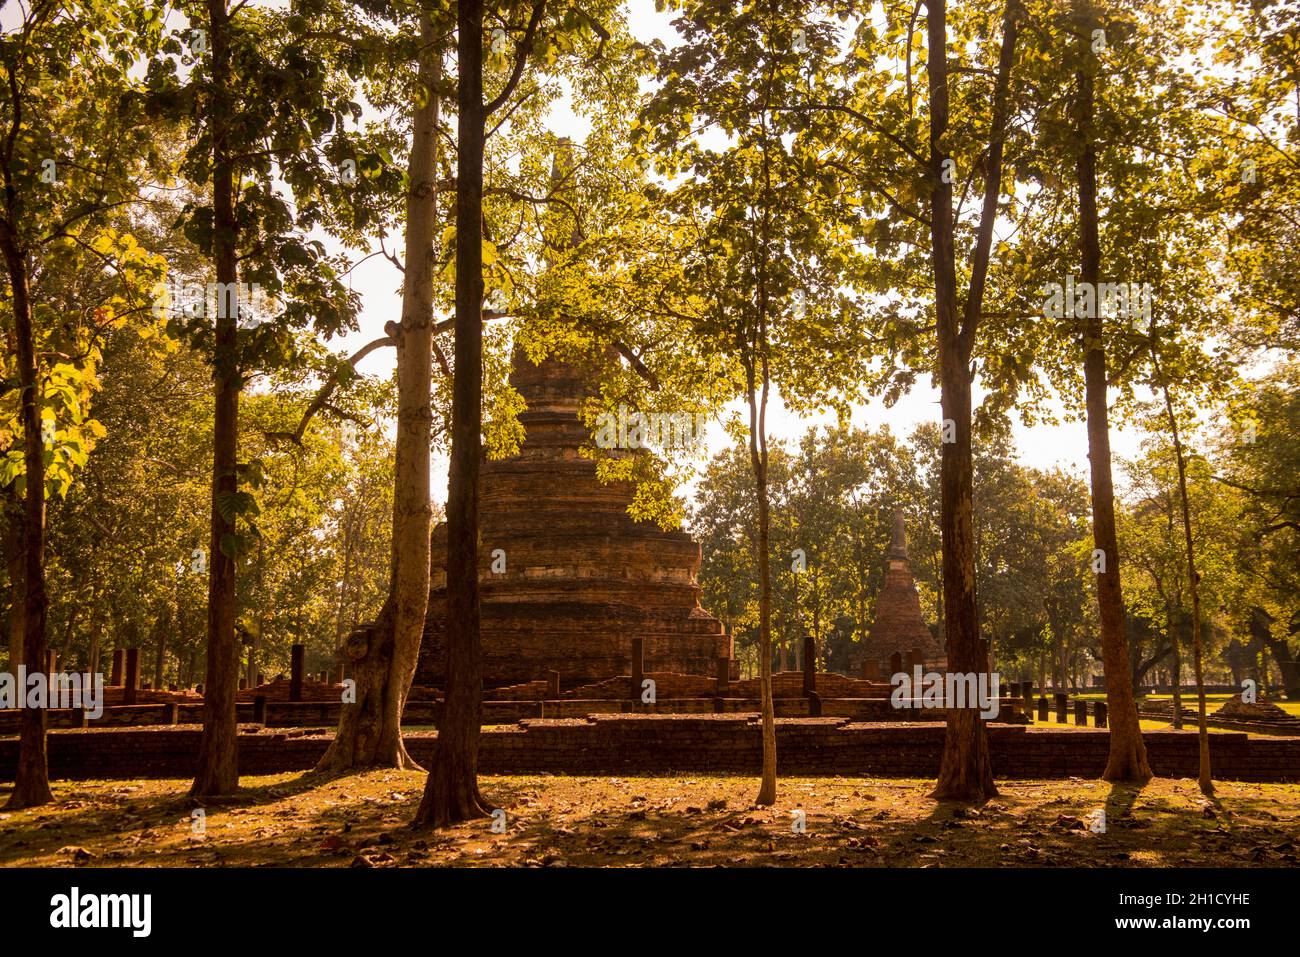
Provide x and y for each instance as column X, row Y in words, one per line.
column 899, row 627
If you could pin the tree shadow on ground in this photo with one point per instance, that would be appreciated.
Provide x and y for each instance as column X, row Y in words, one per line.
column 364, row 820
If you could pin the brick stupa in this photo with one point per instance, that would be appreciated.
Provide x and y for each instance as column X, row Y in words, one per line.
column 582, row 578
column 899, row 627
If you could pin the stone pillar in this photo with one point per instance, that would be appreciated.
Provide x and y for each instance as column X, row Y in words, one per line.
column 809, row 665
column 895, row 663
column 1042, row 708
column 259, row 709
column 115, row 678
column 552, row 684
column 320, row 676
column 173, row 714
column 871, row 670
column 724, row 676
column 296, row 663
column 638, row 667
column 1062, row 701
column 1027, row 693
column 1099, row 714
column 132, row 675
column 814, row 705
column 1081, row 712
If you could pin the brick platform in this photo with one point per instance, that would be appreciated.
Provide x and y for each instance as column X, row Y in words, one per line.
column 666, row 744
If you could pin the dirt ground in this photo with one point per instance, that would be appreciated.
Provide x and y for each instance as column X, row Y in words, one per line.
column 698, row 821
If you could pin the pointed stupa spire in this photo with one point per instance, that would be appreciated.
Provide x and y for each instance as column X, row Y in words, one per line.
column 898, row 544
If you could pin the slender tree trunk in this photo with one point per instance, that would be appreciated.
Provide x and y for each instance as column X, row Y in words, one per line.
column 218, row 760
column 69, row 626
column 965, row 770
column 1177, row 666
column 96, row 634
column 15, row 565
column 370, row 731
column 452, row 792
column 758, row 459
column 1128, row 758
column 31, row 783
column 161, row 626
column 1194, row 585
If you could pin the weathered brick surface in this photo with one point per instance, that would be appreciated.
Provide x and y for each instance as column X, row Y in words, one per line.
column 693, row 743
column 899, row 627
column 581, row 577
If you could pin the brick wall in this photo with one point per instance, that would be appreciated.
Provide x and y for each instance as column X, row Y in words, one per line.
column 691, row 743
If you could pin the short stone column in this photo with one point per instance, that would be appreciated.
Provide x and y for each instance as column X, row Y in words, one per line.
column 115, row 677
column 871, row 670
column 552, row 684
column 1042, row 708
column 1027, row 695
column 1099, row 714
column 1062, row 701
column 1080, row 712
column 259, row 709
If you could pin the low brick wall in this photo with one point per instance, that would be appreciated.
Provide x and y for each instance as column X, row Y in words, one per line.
column 693, row 743
column 306, row 714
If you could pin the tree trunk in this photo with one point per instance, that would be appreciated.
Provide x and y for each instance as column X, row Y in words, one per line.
column 965, row 771
column 31, row 782
column 1128, row 757
column 758, row 459
column 1194, row 585
column 15, row 564
column 452, row 792
column 162, row 624
column 96, row 634
column 370, row 731
column 218, row 761
column 1176, row 666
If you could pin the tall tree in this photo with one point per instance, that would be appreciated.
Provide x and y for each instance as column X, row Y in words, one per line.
column 1127, row 760
column 71, row 150
column 763, row 235
column 965, row 770
column 452, row 792
column 384, row 659
column 257, row 100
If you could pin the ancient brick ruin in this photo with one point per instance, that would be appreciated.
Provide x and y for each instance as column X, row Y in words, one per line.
column 576, row 578
column 899, row 628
